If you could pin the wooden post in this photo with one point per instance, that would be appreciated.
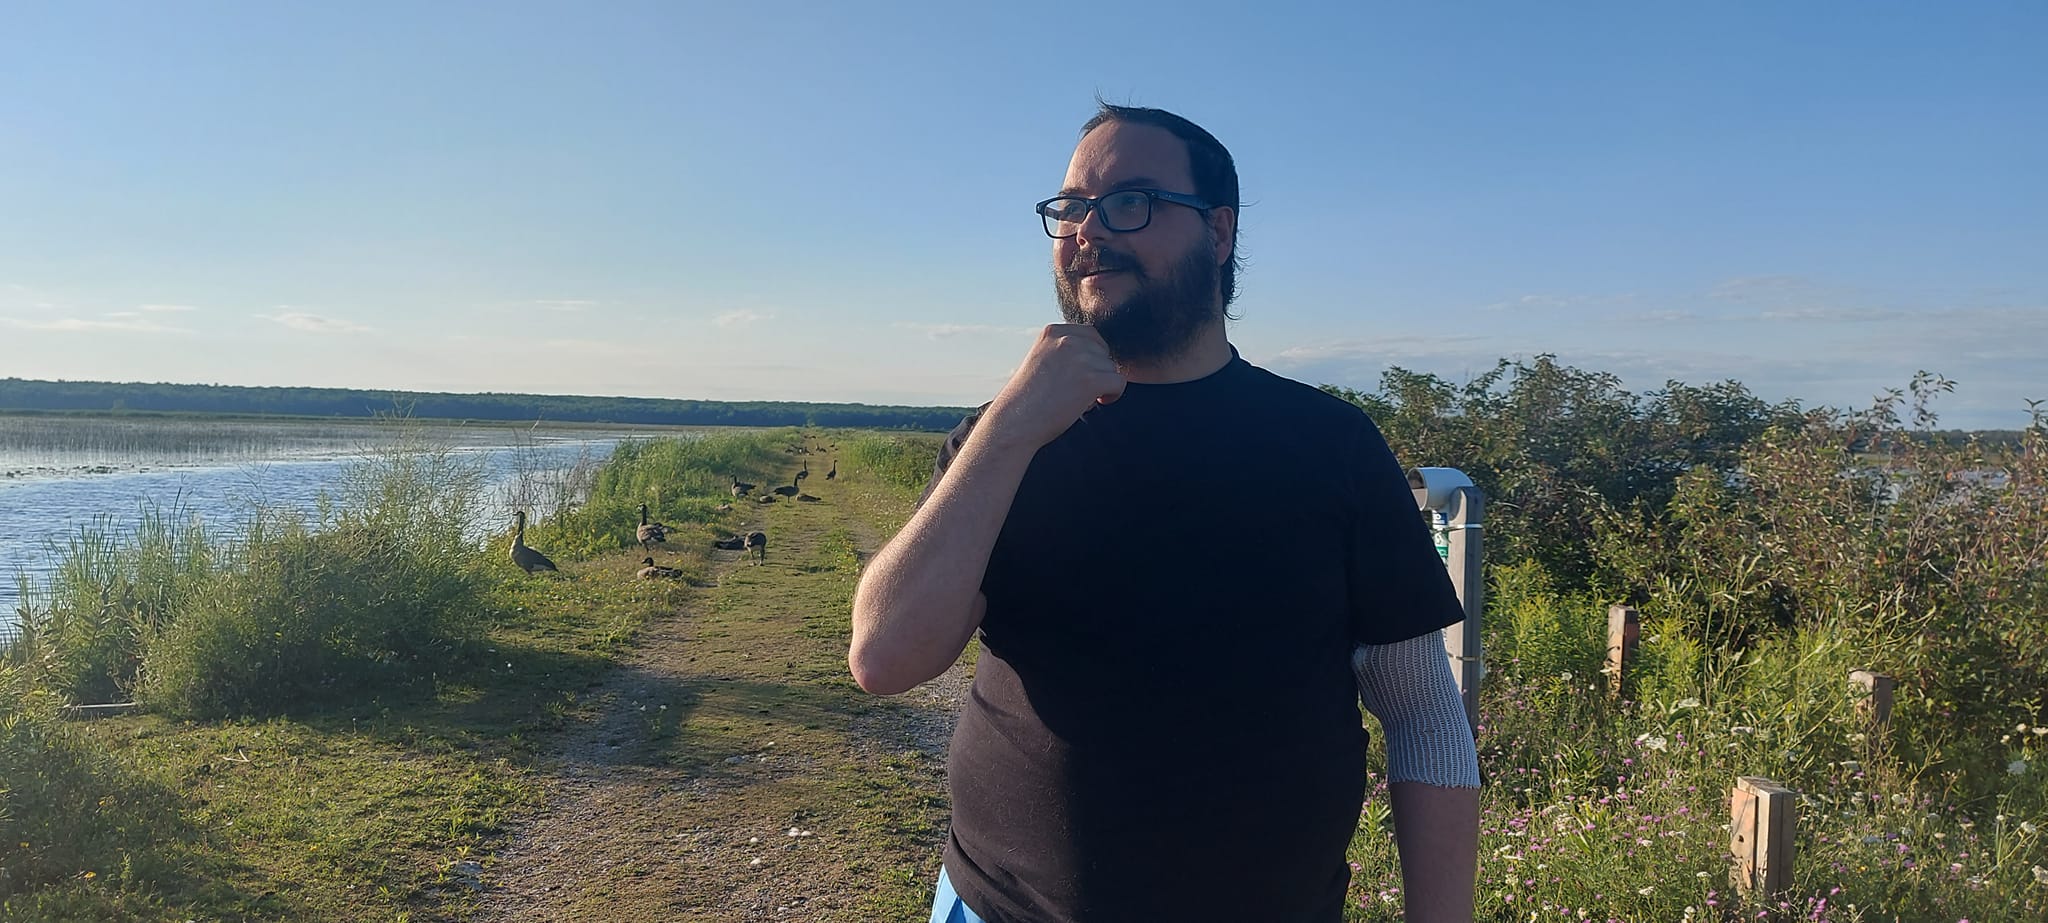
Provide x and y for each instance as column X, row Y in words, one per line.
column 1624, row 630
column 1876, row 700
column 1762, row 818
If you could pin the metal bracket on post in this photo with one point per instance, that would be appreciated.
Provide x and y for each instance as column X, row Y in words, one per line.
column 1449, row 493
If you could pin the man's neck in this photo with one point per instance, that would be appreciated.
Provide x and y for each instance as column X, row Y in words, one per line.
column 1209, row 351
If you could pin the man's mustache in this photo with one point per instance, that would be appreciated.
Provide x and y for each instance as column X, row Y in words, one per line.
column 1088, row 261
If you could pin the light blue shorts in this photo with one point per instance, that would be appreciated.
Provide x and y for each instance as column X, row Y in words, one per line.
column 947, row 907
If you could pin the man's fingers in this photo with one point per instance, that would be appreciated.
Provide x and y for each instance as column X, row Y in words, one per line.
column 1115, row 391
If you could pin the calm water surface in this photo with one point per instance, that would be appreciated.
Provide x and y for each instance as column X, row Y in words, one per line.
column 59, row 475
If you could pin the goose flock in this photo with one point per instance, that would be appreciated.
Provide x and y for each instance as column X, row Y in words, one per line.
column 650, row 533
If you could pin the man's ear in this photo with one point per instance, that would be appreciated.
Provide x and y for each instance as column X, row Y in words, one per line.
column 1223, row 224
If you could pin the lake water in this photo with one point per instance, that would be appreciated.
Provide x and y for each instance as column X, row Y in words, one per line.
column 59, row 475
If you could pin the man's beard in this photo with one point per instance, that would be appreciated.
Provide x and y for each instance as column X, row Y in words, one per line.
column 1159, row 320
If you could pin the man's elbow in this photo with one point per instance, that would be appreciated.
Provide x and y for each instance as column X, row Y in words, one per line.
column 873, row 676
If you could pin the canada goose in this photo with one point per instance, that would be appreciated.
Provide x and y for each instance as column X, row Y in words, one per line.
column 654, row 571
column 806, row 498
column 741, row 488
column 791, row 490
column 829, row 475
column 805, row 471
column 650, row 533
column 735, row 543
column 528, row 559
column 766, row 498
column 757, row 542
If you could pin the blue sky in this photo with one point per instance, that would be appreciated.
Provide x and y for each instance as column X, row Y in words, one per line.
column 823, row 202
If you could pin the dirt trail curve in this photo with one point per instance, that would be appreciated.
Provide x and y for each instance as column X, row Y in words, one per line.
column 728, row 770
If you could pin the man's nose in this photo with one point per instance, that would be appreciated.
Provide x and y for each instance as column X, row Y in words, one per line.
column 1092, row 231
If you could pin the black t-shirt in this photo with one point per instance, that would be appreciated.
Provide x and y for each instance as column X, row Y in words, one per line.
column 1163, row 724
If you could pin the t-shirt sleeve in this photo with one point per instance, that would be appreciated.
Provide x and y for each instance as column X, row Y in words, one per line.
column 950, row 450
column 1399, row 586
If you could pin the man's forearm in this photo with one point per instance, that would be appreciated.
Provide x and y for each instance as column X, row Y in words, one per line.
column 913, row 610
column 1437, row 832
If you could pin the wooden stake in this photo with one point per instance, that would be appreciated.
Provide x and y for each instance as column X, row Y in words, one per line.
column 1876, row 701
column 1624, row 629
column 1763, row 816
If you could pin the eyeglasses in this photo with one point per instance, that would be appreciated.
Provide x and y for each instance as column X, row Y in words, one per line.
column 1123, row 211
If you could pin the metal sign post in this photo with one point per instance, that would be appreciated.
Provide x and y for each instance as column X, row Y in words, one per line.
column 1452, row 505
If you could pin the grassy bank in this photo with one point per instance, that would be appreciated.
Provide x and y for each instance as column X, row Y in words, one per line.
column 348, row 798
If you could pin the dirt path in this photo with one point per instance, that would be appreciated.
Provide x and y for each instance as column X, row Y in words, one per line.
column 729, row 770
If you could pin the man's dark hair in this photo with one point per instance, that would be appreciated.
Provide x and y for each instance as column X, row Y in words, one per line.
column 1214, row 171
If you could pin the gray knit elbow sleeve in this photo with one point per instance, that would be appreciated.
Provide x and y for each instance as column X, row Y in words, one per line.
column 1408, row 686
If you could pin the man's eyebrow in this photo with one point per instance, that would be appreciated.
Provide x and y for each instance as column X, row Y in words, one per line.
column 1135, row 182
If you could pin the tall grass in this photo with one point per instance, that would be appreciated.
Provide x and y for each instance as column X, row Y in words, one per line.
column 898, row 459
column 83, row 632
column 378, row 590
column 684, row 482
column 381, row 593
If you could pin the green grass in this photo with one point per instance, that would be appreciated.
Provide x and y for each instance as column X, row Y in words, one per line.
column 356, row 813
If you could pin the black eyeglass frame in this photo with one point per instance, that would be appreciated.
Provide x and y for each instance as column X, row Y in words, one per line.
column 1152, row 196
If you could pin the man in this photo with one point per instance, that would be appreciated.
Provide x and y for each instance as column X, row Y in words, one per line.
column 1185, row 572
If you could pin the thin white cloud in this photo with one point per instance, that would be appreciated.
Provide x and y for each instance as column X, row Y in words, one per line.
column 565, row 304
column 123, row 314
column 1548, row 302
column 947, row 331
column 742, row 318
column 1761, row 288
column 313, row 323
column 118, row 324
column 1378, row 349
column 165, row 308
column 1834, row 314
column 1661, row 317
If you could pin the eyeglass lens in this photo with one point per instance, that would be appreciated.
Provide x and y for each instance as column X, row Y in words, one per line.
column 1119, row 211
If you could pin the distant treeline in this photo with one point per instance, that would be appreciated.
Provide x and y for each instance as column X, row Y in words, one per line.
column 104, row 397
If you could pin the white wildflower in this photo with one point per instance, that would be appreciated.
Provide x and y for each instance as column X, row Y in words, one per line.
column 2041, row 875
column 1651, row 741
column 2040, row 731
column 1645, row 890
column 2027, row 827
column 1567, row 677
column 1687, row 702
column 2017, row 767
